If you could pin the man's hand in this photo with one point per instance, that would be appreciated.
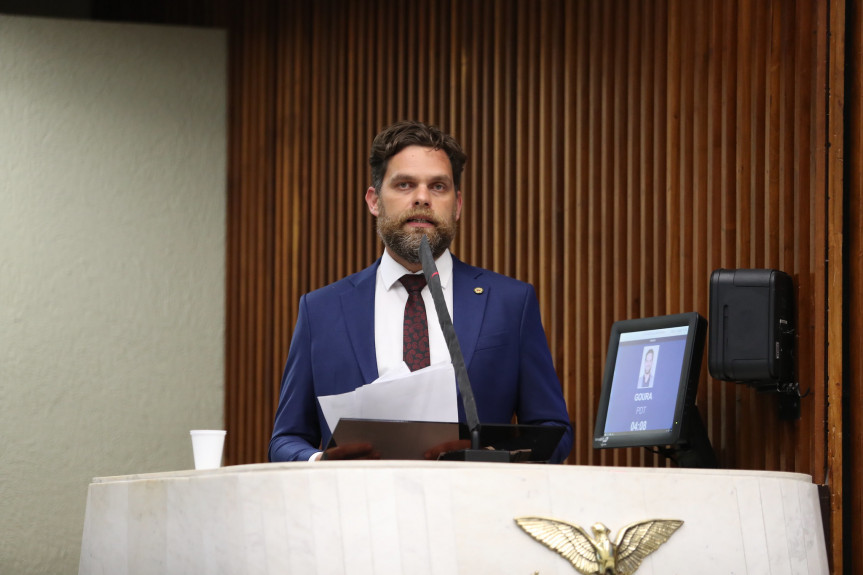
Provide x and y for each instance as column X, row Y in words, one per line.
column 437, row 450
column 350, row 451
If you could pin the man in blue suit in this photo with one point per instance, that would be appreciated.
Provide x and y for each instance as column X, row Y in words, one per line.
column 350, row 332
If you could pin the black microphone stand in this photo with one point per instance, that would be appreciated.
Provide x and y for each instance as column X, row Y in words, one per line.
column 476, row 452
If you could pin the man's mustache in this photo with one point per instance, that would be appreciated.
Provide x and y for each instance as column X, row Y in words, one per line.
column 418, row 214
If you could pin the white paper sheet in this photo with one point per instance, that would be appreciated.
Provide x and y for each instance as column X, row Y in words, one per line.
column 428, row 394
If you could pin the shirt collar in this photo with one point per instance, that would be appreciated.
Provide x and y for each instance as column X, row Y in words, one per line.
column 390, row 270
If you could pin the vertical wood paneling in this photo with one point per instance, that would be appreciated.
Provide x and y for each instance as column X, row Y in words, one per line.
column 618, row 153
column 852, row 456
column 250, row 227
column 727, row 215
column 710, row 398
column 834, row 229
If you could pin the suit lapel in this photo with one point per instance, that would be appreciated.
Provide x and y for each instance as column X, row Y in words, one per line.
column 468, row 306
column 358, row 311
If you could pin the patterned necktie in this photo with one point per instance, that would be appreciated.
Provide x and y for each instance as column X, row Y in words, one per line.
column 415, row 343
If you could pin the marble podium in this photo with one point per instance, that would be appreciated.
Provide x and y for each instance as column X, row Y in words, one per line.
column 441, row 518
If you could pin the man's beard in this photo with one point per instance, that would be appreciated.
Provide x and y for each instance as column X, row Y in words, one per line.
column 405, row 242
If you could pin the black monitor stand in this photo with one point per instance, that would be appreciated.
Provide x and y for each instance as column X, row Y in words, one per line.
column 694, row 450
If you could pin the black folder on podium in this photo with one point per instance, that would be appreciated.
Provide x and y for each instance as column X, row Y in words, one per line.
column 505, row 443
column 411, row 439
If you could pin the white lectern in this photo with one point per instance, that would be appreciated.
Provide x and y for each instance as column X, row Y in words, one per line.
column 442, row 518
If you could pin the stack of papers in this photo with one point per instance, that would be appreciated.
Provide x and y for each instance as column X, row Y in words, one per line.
column 428, row 394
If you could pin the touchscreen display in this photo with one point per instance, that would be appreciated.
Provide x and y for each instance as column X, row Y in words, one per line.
column 646, row 380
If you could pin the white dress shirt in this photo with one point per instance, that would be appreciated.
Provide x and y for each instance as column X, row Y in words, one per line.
column 390, row 299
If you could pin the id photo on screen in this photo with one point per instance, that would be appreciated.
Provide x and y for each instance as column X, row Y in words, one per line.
column 649, row 357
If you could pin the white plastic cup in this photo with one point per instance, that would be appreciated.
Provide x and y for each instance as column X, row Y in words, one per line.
column 207, row 445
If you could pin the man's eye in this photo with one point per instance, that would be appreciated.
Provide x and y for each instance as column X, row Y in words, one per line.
column 439, row 187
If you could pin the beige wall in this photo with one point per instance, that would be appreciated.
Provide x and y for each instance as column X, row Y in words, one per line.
column 112, row 264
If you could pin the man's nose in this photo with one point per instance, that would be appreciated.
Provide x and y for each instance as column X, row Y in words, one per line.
column 422, row 196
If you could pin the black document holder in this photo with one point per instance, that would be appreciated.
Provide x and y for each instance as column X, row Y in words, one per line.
column 411, row 439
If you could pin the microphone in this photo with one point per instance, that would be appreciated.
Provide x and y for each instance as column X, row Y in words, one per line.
column 508, row 443
column 462, row 380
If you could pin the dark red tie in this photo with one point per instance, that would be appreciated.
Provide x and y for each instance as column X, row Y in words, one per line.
column 415, row 345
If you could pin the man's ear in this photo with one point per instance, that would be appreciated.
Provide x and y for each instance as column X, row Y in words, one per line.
column 457, row 205
column 372, row 199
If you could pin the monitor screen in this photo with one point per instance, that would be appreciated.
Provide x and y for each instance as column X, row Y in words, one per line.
column 651, row 376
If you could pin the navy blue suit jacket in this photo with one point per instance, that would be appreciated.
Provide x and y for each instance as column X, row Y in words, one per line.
column 501, row 336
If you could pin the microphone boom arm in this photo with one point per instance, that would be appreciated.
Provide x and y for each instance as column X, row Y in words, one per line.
column 462, row 380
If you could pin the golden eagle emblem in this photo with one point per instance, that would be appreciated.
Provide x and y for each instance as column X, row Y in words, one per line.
column 597, row 555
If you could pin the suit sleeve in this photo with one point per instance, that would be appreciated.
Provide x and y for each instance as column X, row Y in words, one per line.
column 540, row 396
column 296, row 431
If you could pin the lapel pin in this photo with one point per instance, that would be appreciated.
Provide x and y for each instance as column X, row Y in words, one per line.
column 477, row 290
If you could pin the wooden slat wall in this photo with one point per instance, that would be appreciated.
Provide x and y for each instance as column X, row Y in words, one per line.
column 837, row 330
column 619, row 151
column 852, row 454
